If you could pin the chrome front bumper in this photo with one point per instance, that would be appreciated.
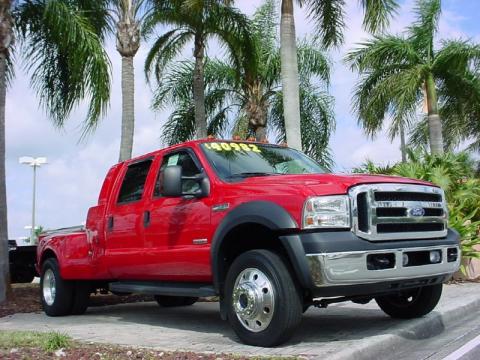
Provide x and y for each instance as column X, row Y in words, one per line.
column 350, row 268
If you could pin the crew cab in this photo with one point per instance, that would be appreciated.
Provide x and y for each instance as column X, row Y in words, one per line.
column 261, row 226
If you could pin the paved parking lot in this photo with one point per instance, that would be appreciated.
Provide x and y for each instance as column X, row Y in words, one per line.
column 343, row 330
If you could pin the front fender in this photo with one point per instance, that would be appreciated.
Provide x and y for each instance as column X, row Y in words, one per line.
column 266, row 213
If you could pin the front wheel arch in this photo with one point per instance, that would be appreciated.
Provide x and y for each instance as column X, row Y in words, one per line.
column 264, row 216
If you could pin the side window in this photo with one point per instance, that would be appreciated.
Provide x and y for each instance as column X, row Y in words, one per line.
column 189, row 168
column 134, row 182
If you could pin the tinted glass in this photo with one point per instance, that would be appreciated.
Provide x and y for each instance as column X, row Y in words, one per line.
column 189, row 168
column 233, row 160
column 134, row 182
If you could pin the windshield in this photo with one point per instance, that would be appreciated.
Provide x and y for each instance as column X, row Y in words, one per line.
column 233, row 160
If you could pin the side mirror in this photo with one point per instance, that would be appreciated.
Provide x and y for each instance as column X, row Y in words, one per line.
column 172, row 181
column 204, row 187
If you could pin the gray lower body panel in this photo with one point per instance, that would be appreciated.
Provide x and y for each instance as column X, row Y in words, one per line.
column 334, row 263
column 163, row 288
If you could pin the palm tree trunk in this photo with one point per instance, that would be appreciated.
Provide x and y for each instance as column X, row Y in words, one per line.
column 199, row 88
column 128, row 43
column 128, row 108
column 6, row 37
column 289, row 68
column 4, row 267
column 403, row 147
column 261, row 133
column 434, row 121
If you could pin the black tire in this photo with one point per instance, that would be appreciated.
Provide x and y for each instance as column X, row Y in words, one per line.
column 410, row 304
column 287, row 303
column 173, row 301
column 120, row 293
column 61, row 303
column 81, row 297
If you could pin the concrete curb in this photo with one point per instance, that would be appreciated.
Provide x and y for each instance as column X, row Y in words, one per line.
column 428, row 326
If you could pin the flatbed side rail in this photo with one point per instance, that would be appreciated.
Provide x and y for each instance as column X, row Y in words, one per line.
column 65, row 230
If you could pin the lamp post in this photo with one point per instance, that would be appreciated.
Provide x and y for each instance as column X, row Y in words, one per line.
column 34, row 163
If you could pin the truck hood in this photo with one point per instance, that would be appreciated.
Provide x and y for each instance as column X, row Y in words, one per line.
column 323, row 184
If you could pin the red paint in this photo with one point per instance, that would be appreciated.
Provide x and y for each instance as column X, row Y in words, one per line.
column 164, row 250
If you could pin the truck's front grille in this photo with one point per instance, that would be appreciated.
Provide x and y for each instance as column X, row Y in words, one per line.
column 392, row 228
column 398, row 211
column 406, row 196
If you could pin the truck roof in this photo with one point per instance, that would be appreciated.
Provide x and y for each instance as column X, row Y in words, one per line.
column 193, row 143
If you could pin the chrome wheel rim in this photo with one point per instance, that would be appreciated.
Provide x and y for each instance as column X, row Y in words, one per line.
column 253, row 299
column 49, row 288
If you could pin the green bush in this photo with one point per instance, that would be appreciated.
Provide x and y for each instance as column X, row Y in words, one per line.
column 456, row 173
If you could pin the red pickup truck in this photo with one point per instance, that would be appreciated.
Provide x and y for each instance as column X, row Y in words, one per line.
column 262, row 227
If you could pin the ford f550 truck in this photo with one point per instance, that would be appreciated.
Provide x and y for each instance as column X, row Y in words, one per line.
column 261, row 226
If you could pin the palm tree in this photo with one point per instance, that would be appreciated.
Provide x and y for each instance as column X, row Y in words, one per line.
column 459, row 110
column 329, row 16
column 61, row 44
column 6, row 37
column 254, row 99
column 401, row 72
column 128, row 43
column 198, row 21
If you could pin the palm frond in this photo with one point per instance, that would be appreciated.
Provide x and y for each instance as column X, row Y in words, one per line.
column 329, row 16
column 378, row 13
column 383, row 51
column 317, row 123
column 389, row 90
column 456, row 56
column 164, row 50
column 66, row 59
column 312, row 62
column 423, row 30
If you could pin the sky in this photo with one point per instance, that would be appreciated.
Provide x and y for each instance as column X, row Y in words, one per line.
column 69, row 184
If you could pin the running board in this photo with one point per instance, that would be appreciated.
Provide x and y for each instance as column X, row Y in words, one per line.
column 163, row 288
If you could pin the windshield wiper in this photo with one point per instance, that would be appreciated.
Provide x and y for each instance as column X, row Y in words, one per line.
column 251, row 174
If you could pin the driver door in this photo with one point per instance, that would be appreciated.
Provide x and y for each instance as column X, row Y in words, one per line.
column 178, row 236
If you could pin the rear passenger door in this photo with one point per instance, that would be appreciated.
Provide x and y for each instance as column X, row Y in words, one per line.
column 124, row 226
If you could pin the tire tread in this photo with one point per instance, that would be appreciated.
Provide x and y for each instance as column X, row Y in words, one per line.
column 429, row 297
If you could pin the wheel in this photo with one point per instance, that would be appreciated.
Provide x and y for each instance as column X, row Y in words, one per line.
column 81, row 297
column 412, row 303
column 56, row 293
column 264, row 306
column 172, row 301
column 120, row 293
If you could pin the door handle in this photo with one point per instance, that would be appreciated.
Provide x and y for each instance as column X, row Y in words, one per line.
column 146, row 218
column 110, row 223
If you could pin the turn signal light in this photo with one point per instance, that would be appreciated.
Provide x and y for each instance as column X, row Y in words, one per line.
column 452, row 254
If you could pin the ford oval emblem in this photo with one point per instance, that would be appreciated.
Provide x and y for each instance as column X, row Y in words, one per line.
column 417, row 211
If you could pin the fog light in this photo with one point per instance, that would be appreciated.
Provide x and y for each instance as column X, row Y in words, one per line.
column 435, row 256
column 452, row 254
column 405, row 259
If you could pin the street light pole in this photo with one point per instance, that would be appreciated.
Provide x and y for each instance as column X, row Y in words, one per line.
column 32, row 232
column 34, row 163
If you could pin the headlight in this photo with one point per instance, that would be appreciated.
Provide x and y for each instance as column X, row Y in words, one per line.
column 327, row 212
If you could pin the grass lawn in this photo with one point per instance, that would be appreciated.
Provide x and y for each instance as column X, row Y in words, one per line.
column 53, row 345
